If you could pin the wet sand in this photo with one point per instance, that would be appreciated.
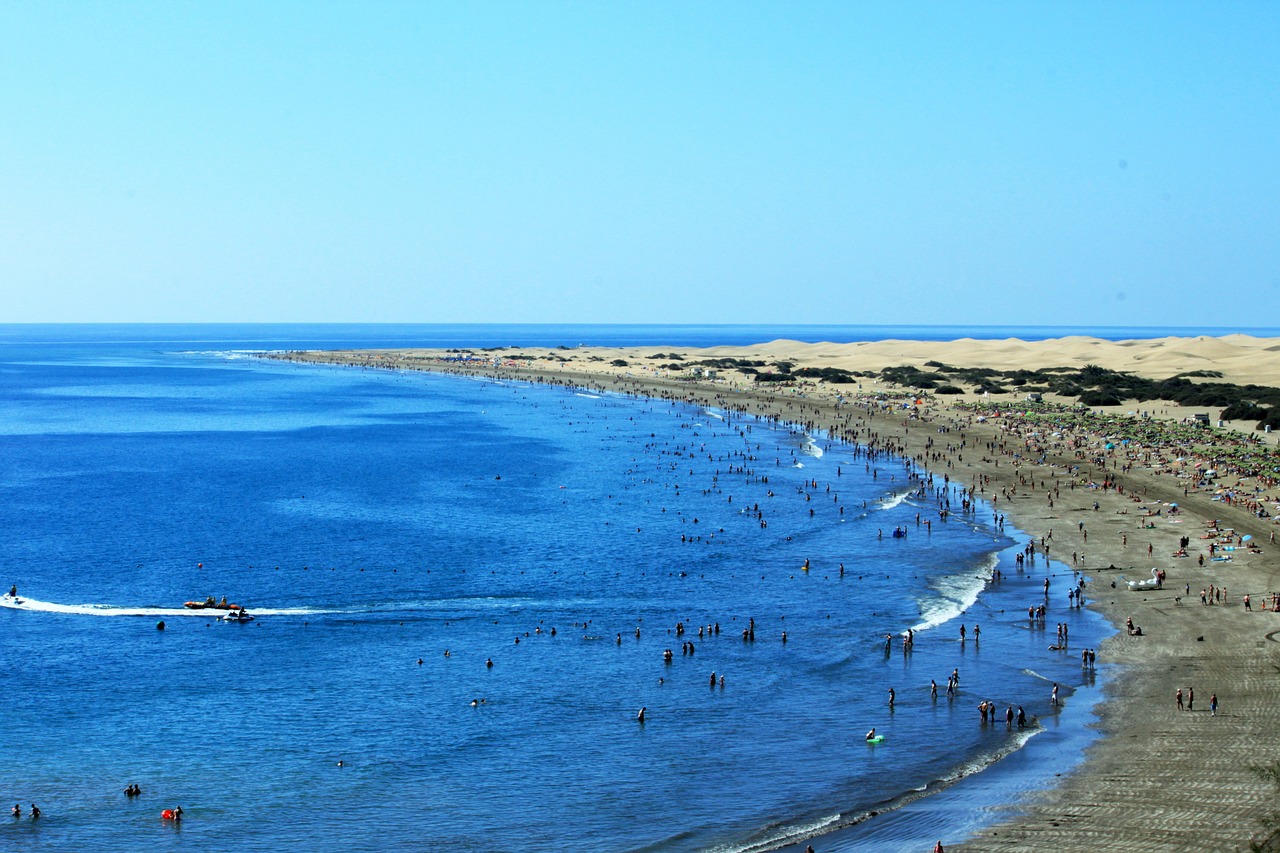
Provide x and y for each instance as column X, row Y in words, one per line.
column 1158, row 778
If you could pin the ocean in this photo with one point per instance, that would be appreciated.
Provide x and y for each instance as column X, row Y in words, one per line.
column 463, row 593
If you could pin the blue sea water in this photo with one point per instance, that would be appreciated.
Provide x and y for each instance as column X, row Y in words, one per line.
column 394, row 532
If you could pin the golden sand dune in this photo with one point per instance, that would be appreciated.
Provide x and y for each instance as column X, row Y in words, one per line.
column 1240, row 358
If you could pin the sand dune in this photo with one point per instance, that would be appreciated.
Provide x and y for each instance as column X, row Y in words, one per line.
column 1240, row 358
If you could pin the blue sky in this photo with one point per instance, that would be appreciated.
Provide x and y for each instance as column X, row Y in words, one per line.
column 1038, row 163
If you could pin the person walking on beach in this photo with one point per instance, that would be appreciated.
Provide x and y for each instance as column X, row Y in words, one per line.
column 1213, row 704
column 1191, row 698
column 1178, row 698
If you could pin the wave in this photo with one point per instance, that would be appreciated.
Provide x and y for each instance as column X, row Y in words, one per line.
column 895, row 500
column 227, row 354
column 781, row 835
column 952, row 595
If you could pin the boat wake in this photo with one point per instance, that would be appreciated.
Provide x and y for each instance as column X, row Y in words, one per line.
column 35, row 605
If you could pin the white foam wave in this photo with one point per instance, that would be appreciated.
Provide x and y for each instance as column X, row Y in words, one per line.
column 895, row 500
column 784, row 835
column 781, row 836
column 951, row 595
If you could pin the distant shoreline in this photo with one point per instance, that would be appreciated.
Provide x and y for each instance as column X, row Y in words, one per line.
column 1187, row 787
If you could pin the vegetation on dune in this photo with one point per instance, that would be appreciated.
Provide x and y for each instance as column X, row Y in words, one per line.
column 1090, row 385
column 1093, row 385
column 834, row 375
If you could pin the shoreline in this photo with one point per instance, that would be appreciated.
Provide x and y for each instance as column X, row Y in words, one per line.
column 1156, row 778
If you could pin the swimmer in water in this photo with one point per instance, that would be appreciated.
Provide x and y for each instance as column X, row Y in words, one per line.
column 871, row 734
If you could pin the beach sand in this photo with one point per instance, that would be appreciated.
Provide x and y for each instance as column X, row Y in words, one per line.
column 1157, row 779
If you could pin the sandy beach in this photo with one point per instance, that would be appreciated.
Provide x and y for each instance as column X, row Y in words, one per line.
column 1113, row 491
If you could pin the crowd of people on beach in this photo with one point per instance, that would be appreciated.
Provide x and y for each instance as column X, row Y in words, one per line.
column 1057, row 455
